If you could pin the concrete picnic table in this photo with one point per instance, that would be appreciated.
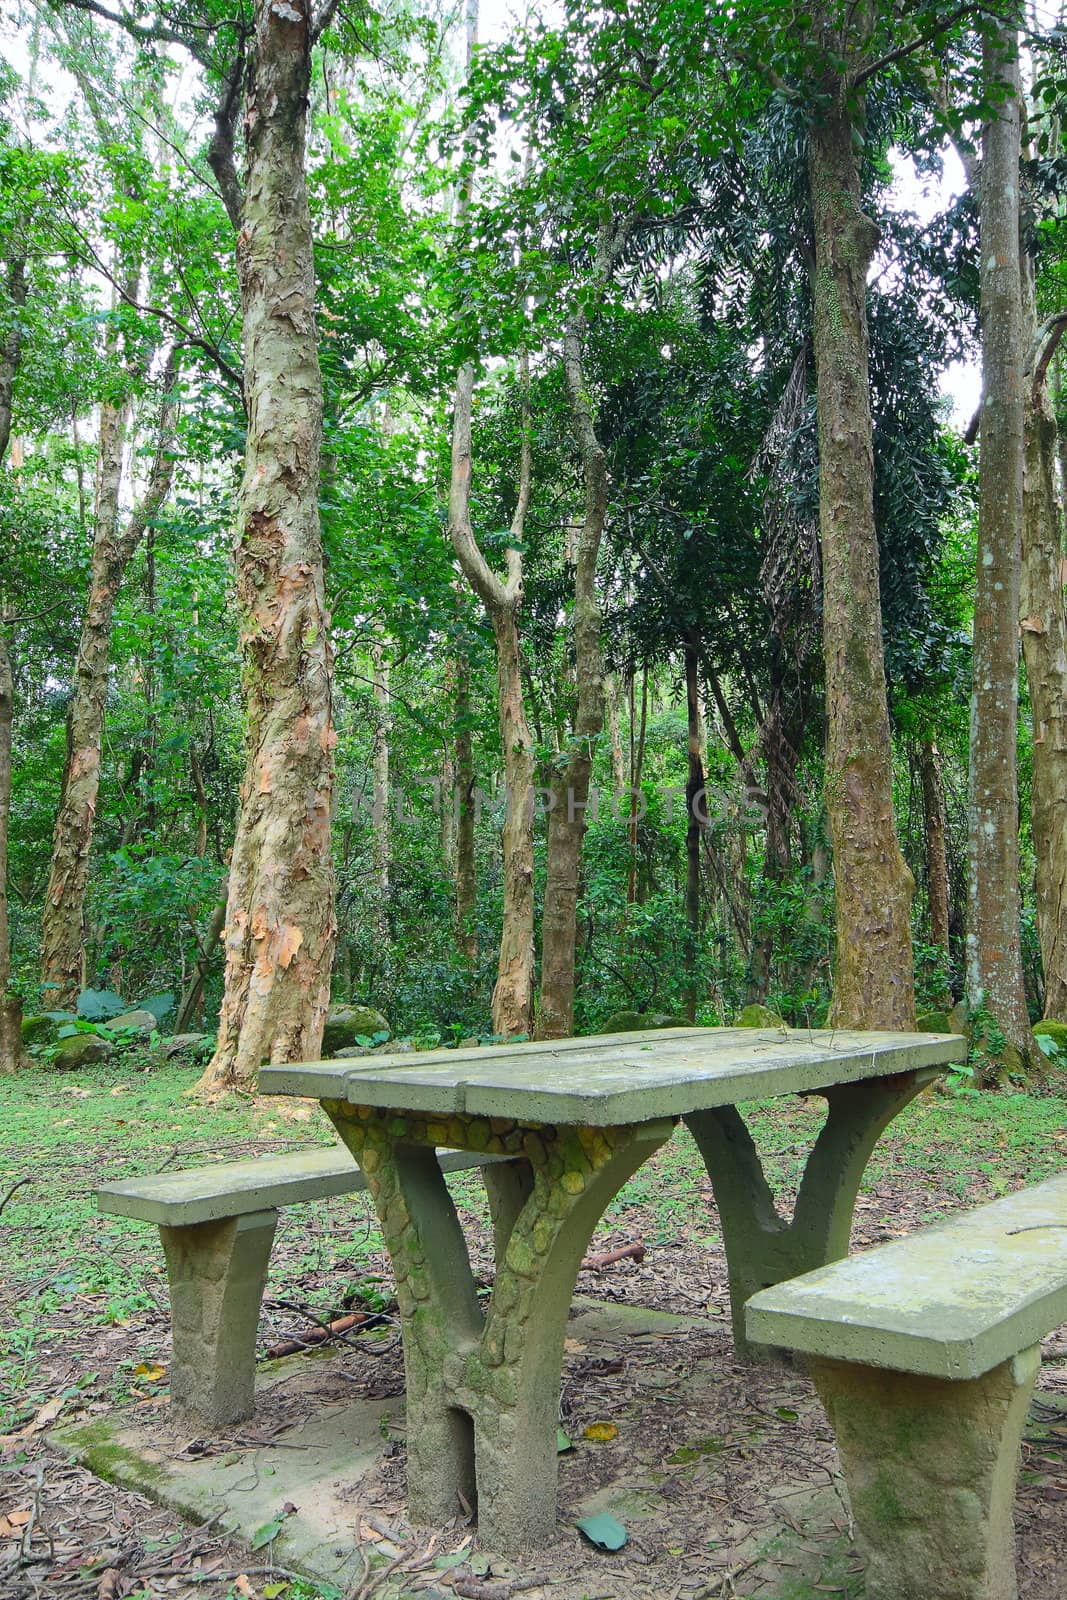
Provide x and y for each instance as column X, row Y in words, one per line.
column 575, row 1118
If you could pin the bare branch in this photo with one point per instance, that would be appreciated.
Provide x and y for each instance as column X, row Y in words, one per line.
column 321, row 19
column 184, row 332
column 1045, row 346
column 220, row 156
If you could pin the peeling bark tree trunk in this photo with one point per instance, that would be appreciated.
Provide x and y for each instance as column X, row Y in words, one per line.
column 10, row 1005
column 1044, row 634
column 570, row 789
column 694, row 804
column 873, row 976
column 994, row 960
column 936, row 855
column 62, row 924
column 281, row 921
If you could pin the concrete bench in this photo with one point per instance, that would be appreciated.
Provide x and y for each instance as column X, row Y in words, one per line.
column 217, row 1226
column 924, row 1352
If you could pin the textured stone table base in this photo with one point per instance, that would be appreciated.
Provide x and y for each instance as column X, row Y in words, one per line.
column 483, row 1387
column 762, row 1248
column 931, row 1465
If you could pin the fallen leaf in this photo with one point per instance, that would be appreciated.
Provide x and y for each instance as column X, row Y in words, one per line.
column 151, row 1372
column 601, row 1432
column 242, row 1583
column 563, row 1441
column 603, row 1530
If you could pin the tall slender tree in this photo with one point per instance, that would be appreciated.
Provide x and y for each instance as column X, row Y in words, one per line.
column 10, row 1005
column 873, row 976
column 115, row 541
column 994, row 959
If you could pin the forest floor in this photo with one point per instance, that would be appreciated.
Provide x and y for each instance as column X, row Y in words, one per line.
column 702, row 1454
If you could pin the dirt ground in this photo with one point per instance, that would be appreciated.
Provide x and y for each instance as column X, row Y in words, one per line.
column 706, row 1460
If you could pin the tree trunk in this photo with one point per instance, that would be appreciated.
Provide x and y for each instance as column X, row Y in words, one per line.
column 514, row 990
column 463, row 816
column 10, row 1005
column 1044, row 634
column 780, row 739
column 281, row 916
column 637, row 767
column 502, row 598
column 611, row 701
column 192, row 999
column 62, row 925
column 994, row 960
column 694, row 804
column 874, row 984
column 935, row 827
column 382, row 819
column 567, row 818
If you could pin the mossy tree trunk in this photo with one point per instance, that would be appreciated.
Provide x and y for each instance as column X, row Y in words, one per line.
column 994, row 958
column 873, row 975
column 281, row 919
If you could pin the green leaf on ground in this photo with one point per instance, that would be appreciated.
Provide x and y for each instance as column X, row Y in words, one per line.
column 603, row 1530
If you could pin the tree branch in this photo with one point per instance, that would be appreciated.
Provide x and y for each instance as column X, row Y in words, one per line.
column 1045, row 346
column 481, row 577
column 184, row 332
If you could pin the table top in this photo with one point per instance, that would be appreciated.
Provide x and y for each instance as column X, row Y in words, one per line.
column 604, row 1080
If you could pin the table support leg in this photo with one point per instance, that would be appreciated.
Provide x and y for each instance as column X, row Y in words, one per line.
column 762, row 1248
column 483, row 1391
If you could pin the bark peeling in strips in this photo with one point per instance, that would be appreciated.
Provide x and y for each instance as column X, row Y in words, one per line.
column 280, row 923
column 873, row 978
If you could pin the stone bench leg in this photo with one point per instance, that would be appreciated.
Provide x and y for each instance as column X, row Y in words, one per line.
column 931, row 1466
column 217, row 1273
column 483, row 1388
column 762, row 1248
